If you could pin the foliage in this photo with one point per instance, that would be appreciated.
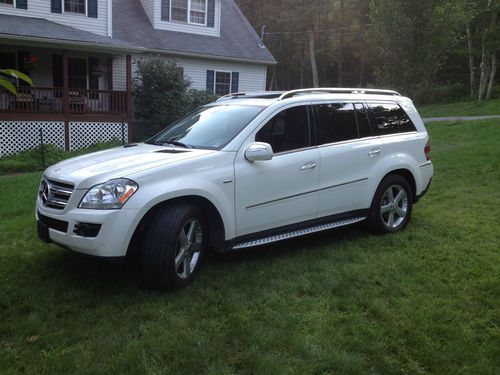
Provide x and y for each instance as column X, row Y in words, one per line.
column 5, row 74
column 424, row 300
column 31, row 160
column 197, row 98
column 417, row 47
column 162, row 95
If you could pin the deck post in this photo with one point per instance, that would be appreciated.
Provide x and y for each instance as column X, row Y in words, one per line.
column 65, row 98
column 129, row 96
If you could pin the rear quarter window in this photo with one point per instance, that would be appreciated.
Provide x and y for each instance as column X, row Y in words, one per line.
column 389, row 118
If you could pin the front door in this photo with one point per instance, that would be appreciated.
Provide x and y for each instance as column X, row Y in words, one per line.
column 283, row 190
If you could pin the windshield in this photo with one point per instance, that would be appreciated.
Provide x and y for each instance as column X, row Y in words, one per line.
column 208, row 127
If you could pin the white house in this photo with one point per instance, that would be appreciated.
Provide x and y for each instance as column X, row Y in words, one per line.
column 80, row 55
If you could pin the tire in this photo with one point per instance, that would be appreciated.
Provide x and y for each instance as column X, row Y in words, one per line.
column 174, row 246
column 392, row 205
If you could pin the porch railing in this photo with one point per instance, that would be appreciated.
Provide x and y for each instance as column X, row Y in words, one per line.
column 57, row 100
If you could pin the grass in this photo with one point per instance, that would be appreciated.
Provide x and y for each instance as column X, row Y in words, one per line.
column 31, row 160
column 471, row 108
column 425, row 300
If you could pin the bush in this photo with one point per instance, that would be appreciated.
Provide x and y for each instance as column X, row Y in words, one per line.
column 161, row 96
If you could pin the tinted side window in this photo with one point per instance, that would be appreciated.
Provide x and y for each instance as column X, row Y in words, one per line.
column 390, row 118
column 336, row 122
column 364, row 129
column 288, row 130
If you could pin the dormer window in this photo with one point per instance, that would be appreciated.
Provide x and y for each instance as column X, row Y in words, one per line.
column 189, row 11
column 74, row 6
column 194, row 12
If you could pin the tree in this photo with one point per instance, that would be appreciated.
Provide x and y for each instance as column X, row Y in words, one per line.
column 412, row 38
column 162, row 95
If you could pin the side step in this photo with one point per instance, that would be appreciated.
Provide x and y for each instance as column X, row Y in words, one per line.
column 296, row 233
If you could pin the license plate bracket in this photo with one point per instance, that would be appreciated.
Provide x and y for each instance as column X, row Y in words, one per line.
column 43, row 232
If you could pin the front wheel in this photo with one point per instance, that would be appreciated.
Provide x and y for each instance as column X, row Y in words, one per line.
column 392, row 205
column 174, row 247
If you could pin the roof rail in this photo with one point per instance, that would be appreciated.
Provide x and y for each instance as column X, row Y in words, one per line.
column 337, row 90
column 252, row 95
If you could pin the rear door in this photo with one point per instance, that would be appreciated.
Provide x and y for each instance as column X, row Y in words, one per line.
column 348, row 152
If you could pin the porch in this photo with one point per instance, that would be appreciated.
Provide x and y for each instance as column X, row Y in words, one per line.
column 43, row 102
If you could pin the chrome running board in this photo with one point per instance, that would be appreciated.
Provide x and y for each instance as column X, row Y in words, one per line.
column 296, row 233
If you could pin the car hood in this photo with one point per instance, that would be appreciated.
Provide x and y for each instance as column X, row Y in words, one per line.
column 98, row 167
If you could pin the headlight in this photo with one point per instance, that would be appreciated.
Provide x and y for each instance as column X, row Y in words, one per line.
column 110, row 195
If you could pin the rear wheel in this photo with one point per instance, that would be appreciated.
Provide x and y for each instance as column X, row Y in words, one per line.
column 392, row 205
column 174, row 246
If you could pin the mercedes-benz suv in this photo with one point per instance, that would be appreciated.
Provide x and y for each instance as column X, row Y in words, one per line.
column 247, row 170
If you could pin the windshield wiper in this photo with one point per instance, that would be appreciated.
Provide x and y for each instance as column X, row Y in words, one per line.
column 177, row 143
column 169, row 142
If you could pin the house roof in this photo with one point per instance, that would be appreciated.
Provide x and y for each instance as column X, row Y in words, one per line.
column 41, row 30
column 237, row 41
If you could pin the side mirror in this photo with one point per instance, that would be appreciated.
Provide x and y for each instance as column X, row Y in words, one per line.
column 259, row 151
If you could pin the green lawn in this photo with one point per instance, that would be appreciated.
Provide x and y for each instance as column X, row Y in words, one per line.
column 426, row 300
column 473, row 108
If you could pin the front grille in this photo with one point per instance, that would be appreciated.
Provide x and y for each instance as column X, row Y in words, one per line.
column 61, row 226
column 55, row 194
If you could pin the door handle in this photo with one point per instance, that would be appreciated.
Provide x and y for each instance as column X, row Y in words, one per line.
column 307, row 166
column 374, row 151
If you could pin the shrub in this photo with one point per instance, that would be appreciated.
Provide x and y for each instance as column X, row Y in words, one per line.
column 161, row 96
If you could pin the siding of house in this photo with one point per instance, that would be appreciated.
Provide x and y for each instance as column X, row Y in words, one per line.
column 41, row 9
column 149, row 7
column 252, row 77
column 183, row 27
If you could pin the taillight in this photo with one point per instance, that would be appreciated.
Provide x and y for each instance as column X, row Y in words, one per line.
column 427, row 150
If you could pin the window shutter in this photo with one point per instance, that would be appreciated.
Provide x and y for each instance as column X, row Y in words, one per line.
column 165, row 10
column 235, row 77
column 57, row 70
column 56, row 6
column 211, row 13
column 22, row 4
column 210, row 81
column 92, row 8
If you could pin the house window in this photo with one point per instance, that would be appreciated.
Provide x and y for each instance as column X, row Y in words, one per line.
column 10, row 2
column 77, row 73
column 198, row 11
column 222, row 83
column 74, row 6
column 189, row 11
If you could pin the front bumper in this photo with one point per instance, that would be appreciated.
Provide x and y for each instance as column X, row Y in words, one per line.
column 99, row 233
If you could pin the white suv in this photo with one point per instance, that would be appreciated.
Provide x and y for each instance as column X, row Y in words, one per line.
column 247, row 170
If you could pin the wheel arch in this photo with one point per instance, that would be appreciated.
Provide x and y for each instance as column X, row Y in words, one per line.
column 216, row 229
column 408, row 176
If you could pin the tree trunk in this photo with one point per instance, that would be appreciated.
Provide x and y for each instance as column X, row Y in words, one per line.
column 470, row 52
column 484, row 70
column 341, row 45
column 312, row 56
column 493, row 72
column 273, row 77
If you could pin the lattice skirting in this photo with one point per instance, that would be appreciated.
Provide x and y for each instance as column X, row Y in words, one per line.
column 84, row 134
column 17, row 136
